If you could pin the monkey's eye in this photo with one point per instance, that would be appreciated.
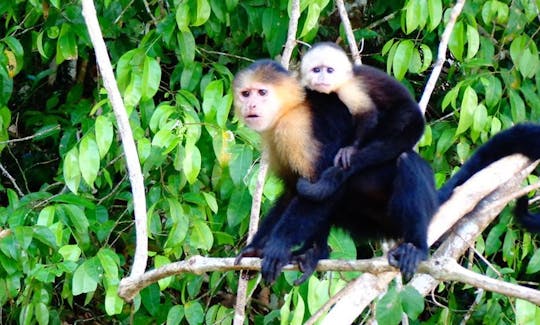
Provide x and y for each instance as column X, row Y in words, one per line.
column 330, row 70
column 245, row 93
column 316, row 70
column 263, row 92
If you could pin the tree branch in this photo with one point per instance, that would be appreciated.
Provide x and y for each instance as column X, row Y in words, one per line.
column 128, row 143
column 441, row 55
column 348, row 31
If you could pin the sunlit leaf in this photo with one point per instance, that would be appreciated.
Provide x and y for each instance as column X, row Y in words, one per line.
column 182, row 16
column 150, row 78
column 89, row 159
column 402, row 58
column 72, row 172
column 86, row 277
column 104, row 134
column 200, row 235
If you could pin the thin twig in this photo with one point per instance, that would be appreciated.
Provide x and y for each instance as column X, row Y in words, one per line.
column 349, row 32
column 441, row 56
column 291, row 36
column 11, row 179
column 30, row 137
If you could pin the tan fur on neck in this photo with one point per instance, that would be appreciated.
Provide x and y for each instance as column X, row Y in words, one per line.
column 353, row 95
column 291, row 143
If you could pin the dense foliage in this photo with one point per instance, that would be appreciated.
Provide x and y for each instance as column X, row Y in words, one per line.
column 66, row 230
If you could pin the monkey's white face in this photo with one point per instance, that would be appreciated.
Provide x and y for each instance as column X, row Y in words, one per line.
column 259, row 106
column 325, row 69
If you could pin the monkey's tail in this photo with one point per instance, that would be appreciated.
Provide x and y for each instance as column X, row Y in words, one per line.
column 528, row 220
column 522, row 138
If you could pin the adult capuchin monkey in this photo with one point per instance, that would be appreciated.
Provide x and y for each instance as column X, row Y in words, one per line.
column 394, row 198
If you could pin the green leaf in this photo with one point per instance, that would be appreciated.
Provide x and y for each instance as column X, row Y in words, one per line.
column 468, row 106
column 299, row 311
column 89, row 159
column 312, row 19
column 389, row 308
column 186, row 46
column 517, row 107
column 456, row 43
column 42, row 313
column 108, row 260
column 104, row 135
column 527, row 312
column 202, row 13
column 194, row 312
column 213, row 94
column 191, row 165
column 160, row 116
column 17, row 50
column 71, row 171
column 493, row 90
column 79, row 221
column 86, row 277
column 175, row 315
column 200, row 235
column 402, row 58
column 66, row 47
column 534, row 263
column 211, row 201
column 435, row 12
column 343, row 246
column 180, row 224
column 113, row 303
column 411, row 301
column 182, row 16
column 480, row 119
column 473, row 41
column 46, row 216
column 150, row 78
column 509, row 246
column 70, row 252
column 242, row 158
column 317, row 294
column 238, row 207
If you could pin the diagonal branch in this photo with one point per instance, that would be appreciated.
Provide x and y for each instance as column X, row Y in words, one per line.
column 128, row 143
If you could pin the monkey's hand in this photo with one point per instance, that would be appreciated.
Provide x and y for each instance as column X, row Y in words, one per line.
column 275, row 257
column 248, row 251
column 406, row 257
column 344, row 156
column 308, row 260
column 330, row 180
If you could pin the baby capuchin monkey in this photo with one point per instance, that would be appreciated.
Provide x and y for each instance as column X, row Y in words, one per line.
column 388, row 121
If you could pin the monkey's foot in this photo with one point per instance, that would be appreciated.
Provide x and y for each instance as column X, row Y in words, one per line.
column 248, row 251
column 308, row 260
column 275, row 257
column 406, row 257
column 327, row 184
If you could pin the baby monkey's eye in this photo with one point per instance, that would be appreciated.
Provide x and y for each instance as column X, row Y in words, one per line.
column 245, row 93
column 263, row 92
column 330, row 70
column 316, row 70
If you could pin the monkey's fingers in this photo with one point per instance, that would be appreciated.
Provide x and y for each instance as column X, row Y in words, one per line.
column 248, row 251
column 406, row 257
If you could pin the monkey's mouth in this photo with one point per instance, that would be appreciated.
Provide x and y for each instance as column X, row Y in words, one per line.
column 252, row 116
column 322, row 87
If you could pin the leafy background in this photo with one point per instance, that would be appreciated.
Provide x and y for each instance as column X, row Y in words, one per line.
column 66, row 213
